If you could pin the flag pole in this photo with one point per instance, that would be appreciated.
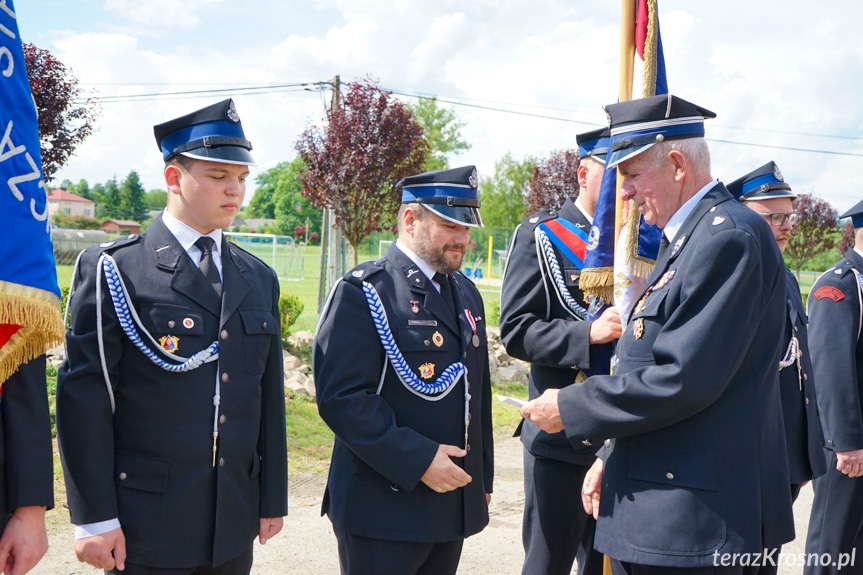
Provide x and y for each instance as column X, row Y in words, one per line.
column 627, row 63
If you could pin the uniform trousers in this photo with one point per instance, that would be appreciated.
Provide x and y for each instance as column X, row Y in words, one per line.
column 836, row 523
column 555, row 528
column 773, row 569
column 634, row 569
column 360, row 555
column 239, row 565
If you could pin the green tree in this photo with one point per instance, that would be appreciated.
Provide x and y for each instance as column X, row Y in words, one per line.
column 133, row 205
column 109, row 208
column 156, row 199
column 82, row 188
column 67, row 185
column 442, row 130
column 281, row 188
column 262, row 205
column 503, row 195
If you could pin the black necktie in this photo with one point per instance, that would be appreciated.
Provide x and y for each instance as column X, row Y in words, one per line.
column 663, row 245
column 445, row 291
column 208, row 266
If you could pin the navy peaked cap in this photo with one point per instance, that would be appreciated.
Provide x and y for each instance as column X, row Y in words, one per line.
column 214, row 134
column 594, row 144
column 856, row 215
column 763, row 183
column 638, row 125
column 451, row 194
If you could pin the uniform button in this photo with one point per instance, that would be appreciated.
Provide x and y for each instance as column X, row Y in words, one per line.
column 807, row 401
column 586, row 442
column 223, row 419
column 171, row 324
column 468, row 448
column 394, row 487
column 795, row 328
column 669, row 475
column 224, row 378
column 805, row 376
column 265, row 325
column 427, row 343
column 224, row 334
column 221, row 462
column 123, row 476
column 830, row 441
column 607, row 443
column 464, row 355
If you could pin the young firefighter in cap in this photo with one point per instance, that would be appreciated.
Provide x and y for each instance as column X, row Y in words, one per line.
column 765, row 191
column 543, row 320
column 402, row 377
column 698, row 470
column 170, row 404
column 835, row 307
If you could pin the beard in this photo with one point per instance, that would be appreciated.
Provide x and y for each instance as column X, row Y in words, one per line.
column 435, row 256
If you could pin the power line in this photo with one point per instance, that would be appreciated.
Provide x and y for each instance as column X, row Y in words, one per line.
column 249, row 91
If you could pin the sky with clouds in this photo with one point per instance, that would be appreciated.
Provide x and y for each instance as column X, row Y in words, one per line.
column 782, row 73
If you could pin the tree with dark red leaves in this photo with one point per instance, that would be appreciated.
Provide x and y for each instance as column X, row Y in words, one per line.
column 354, row 163
column 553, row 180
column 814, row 234
column 63, row 123
column 846, row 241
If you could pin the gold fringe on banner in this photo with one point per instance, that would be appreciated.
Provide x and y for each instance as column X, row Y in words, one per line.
column 648, row 85
column 636, row 265
column 38, row 313
column 597, row 282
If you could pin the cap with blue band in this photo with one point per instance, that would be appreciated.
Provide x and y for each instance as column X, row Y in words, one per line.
column 638, row 125
column 451, row 194
column 213, row 134
column 594, row 144
column 764, row 183
column 856, row 215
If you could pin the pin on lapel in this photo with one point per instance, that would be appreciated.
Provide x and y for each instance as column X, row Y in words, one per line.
column 170, row 343
column 427, row 370
column 437, row 338
column 415, row 308
column 678, row 245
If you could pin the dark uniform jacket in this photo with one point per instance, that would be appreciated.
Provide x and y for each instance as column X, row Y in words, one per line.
column 387, row 435
column 837, row 352
column 799, row 408
column 536, row 327
column 26, row 453
column 151, row 463
column 699, row 464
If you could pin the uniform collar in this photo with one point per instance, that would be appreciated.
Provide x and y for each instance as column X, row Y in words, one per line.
column 424, row 267
column 187, row 235
column 676, row 221
column 578, row 205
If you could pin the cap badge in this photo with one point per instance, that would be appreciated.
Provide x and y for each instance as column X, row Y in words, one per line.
column 777, row 174
column 231, row 113
column 437, row 338
column 427, row 370
column 473, row 180
column 170, row 343
column 638, row 328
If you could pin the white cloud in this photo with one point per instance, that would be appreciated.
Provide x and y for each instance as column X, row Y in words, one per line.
column 180, row 14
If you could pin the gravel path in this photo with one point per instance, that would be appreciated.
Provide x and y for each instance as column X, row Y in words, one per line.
column 307, row 544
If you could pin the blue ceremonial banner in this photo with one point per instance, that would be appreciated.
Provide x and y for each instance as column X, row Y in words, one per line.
column 613, row 272
column 30, row 321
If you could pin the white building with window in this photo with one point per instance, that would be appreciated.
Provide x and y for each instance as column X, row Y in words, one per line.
column 68, row 204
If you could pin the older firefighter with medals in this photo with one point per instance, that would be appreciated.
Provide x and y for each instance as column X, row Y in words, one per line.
column 544, row 320
column 402, row 376
column 170, row 404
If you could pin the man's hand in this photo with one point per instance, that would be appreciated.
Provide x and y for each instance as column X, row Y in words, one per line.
column 106, row 551
column 443, row 475
column 592, row 488
column 270, row 526
column 606, row 327
column 850, row 462
column 544, row 411
column 24, row 541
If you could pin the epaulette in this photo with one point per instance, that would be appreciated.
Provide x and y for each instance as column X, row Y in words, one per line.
column 111, row 246
column 539, row 217
column 718, row 219
column 366, row 269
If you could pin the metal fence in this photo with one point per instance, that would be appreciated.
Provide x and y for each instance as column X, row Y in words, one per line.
column 298, row 266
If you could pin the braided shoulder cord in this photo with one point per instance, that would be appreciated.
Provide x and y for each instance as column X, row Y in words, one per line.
column 554, row 268
column 791, row 355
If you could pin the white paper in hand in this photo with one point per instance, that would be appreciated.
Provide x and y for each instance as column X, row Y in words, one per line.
column 511, row 400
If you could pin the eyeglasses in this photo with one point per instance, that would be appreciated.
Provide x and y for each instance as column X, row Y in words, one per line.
column 778, row 218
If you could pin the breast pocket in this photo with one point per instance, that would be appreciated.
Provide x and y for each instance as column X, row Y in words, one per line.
column 165, row 319
column 641, row 331
column 426, row 349
column 260, row 326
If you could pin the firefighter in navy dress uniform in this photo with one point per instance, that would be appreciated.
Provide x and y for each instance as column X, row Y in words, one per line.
column 170, row 404
column 402, row 376
column 698, row 469
column 765, row 191
column 543, row 320
column 835, row 307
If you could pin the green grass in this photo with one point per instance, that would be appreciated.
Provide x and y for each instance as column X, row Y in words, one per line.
column 310, row 441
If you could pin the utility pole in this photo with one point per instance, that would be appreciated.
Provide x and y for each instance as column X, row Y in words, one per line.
column 331, row 235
